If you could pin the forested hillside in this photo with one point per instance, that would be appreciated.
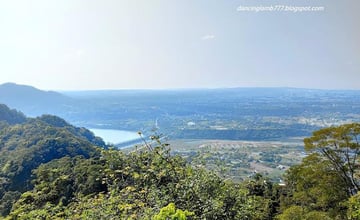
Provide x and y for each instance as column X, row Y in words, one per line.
column 10, row 116
column 52, row 170
column 25, row 143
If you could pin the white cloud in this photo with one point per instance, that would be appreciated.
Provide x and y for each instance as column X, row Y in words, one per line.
column 208, row 37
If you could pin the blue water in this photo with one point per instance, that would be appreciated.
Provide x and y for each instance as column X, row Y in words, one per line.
column 112, row 136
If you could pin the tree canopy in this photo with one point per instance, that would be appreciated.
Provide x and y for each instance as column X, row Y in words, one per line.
column 340, row 146
column 326, row 183
column 50, row 169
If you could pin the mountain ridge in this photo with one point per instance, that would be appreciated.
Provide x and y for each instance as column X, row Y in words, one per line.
column 26, row 143
column 33, row 101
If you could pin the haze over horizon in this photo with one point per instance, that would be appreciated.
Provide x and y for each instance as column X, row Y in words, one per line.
column 93, row 45
column 166, row 89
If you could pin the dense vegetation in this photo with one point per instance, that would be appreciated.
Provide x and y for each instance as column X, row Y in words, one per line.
column 52, row 170
column 25, row 143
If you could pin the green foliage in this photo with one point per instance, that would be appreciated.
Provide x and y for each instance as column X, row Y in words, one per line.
column 80, row 133
column 144, row 184
column 11, row 116
column 300, row 213
column 23, row 147
column 353, row 211
column 314, row 185
column 57, row 183
column 170, row 212
column 51, row 170
column 326, row 178
column 8, row 198
column 340, row 146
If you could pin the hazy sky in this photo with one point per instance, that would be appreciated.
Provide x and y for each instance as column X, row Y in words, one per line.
column 116, row 44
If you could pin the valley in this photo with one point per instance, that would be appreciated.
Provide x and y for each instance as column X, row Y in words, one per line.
column 241, row 130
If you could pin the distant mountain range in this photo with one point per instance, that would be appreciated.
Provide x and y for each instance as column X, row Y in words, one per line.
column 32, row 101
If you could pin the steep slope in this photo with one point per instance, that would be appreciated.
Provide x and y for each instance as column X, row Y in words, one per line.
column 11, row 116
column 26, row 145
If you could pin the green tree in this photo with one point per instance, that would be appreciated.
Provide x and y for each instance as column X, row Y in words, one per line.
column 327, row 177
column 353, row 211
column 11, row 116
column 300, row 213
column 340, row 146
column 170, row 212
column 314, row 185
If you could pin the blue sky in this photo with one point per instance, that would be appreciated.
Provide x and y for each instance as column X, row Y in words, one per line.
column 121, row 44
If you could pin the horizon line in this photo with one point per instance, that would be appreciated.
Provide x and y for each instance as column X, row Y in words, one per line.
column 179, row 88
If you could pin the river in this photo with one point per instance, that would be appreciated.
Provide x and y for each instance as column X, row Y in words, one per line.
column 113, row 136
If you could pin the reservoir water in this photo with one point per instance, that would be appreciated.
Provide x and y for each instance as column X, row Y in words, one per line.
column 113, row 136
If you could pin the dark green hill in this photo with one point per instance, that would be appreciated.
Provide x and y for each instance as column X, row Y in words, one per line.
column 11, row 116
column 25, row 143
